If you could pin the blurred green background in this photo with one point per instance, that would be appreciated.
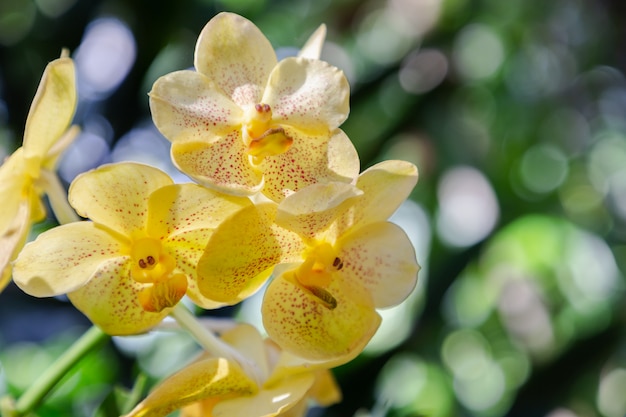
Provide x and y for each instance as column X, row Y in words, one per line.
column 514, row 112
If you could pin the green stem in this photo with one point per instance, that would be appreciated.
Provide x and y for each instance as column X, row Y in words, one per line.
column 33, row 396
column 211, row 343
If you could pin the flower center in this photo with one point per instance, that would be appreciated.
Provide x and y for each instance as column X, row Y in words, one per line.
column 154, row 267
column 316, row 272
column 262, row 138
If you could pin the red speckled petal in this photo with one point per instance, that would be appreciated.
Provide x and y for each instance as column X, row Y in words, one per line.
column 116, row 195
column 223, row 165
column 310, row 95
column 381, row 257
column 310, row 160
column 186, row 105
column 110, row 300
column 234, row 54
column 242, row 252
column 64, row 258
column 302, row 325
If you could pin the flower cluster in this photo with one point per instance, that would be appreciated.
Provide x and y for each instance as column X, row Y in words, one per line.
column 278, row 205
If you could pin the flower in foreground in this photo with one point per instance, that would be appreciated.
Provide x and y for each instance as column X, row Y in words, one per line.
column 136, row 259
column 213, row 386
column 244, row 123
column 346, row 262
column 30, row 171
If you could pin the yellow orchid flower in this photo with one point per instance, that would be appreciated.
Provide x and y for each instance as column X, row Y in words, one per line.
column 345, row 261
column 244, row 123
column 216, row 387
column 136, row 259
column 30, row 171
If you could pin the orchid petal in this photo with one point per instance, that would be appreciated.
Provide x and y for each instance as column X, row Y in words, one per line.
column 381, row 257
column 310, row 95
column 301, row 324
column 313, row 209
column 64, row 258
column 111, row 300
column 222, row 165
column 242, row 252
column 309, row 161
column 12, row 240
column 116, row 195
column 208, row 378
column 247, row 340
column 13, row 185
column 236, row 56
column 312, row 48
column 186, row 105
column 52, row 108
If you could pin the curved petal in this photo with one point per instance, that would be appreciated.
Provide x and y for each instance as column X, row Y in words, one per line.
column 116, row 195
column 299, row 323
column 385, row 185
column 208, row 378
column 242, row 252
column 111, row 300
column 310, row 95
column 222, row 165
column 313, row 209
column 64, row 258
column 381, row 257
column 12, row 240
column 270, row 401
column 310, row 160
column 312, row 48
column 180, row 208
column 186, row 105
column 234, row 54
column 52, row 109
column 13, row 183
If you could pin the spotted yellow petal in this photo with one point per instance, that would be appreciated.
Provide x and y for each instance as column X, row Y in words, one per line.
column 12, row 240
column 382, row 258
column 313, row 209
column 242, row 252
column 222, row 165
column 186, row 105
column 303, row 324
column 310, row 160
column 64, row 258
column 52, row 109
column 209, row 378
column 310, row 95
column 111, row 300
column 312, row 48
column 233, row 53
column 116, row 195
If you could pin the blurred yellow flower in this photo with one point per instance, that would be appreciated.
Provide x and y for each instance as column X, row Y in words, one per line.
column 136, row 259
column 244, row 123
column 338, row 257
column 30, row 172
column 212, row 386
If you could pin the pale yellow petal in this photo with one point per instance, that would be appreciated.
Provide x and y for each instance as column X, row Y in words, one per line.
column 209, row 378
column 64, row 258
column 310, row 160
column 247, row 340
column 313, row 209
column 14, row 189
column 312, row 49
column 310, row 95
column 116, row 195
column 111, row 300
column 222, row 165
column 242, row 252
column 325, row 390
column 233, row 53
column 301, row 324
column 382, row 258
column 268, row 402
column 52, row 109
column 386, row 185
column 12, row 240
column 186, row 105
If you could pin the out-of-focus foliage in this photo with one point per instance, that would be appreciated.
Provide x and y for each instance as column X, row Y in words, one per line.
column 515, row 113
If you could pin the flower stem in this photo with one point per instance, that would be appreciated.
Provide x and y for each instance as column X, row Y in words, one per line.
column 31, row 398
column 211, row 343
